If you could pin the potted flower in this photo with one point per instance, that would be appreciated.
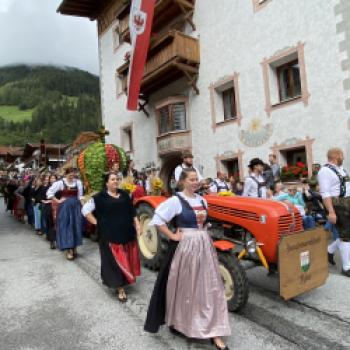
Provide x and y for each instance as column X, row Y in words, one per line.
column 294, row 172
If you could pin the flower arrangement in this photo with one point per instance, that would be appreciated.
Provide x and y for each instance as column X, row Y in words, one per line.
column 128, row 185
column 293, row 172
column 226, row 194
column 156, row 186
column 94, row 161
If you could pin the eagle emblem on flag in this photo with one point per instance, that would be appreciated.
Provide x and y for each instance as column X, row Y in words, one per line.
column 139, row 22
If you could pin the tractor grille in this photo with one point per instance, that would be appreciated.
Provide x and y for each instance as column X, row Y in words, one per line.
column 234, row 212
column 289, row 224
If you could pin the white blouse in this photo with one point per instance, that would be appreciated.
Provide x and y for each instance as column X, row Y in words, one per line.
column 88, row 207
column 59, row 186
column 172, row 207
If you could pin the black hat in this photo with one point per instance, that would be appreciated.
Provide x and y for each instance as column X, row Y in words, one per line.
column 255, row 161
column 187, row 154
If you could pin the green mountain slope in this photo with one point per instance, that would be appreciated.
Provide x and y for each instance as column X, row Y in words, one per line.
column 13, row 113
column 47, row 102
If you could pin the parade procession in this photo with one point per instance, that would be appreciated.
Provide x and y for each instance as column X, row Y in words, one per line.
column 179, row 176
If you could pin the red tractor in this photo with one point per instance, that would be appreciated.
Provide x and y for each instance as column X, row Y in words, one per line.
column 267, row 232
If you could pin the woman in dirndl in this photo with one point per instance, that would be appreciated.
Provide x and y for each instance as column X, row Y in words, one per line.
column 189, row 293
column 117, row 224
column 10, row 189
column 38, row 193
column 47, row 221
column 67, row 194
column 19, row 203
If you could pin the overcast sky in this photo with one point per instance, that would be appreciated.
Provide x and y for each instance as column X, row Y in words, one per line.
column 31, row 31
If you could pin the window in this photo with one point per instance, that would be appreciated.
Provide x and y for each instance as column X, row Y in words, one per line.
column 285, row 79
column 231, row 167
column 224, row 101
column 127, row 139
column 116, row 37
column 288, row 76
column 121, row 84
column 229, row 103
column 226, row 107
column 294, row 164
column 172, row 117
column 231, row 162
column 294, row 156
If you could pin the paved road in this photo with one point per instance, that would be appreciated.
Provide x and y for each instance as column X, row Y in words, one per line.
column 47, row 302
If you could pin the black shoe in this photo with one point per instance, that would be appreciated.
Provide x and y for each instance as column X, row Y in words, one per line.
column 174, row 331
column 346, row 272
column 52, row 245
column 217, row 347
column 331, row 259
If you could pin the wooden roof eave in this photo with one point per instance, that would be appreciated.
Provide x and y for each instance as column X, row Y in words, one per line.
column 82, row 8
column 123, row 11
column 168, row 73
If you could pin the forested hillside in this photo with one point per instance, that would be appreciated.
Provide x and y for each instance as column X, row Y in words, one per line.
column 47, row 102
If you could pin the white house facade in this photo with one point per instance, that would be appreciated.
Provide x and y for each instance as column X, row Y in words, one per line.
column 229, row 80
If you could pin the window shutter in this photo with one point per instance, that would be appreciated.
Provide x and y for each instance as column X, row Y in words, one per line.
column 296, row 78
column 163, row 120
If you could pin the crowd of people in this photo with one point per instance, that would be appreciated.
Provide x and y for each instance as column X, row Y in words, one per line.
column 53, row 206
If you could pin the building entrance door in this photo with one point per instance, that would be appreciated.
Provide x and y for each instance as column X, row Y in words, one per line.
column 169, row 163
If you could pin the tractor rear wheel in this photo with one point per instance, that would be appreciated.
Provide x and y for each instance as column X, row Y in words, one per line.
column 152, row 244
column 235, row 281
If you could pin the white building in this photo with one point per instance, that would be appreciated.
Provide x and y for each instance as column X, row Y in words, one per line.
column 229, row 80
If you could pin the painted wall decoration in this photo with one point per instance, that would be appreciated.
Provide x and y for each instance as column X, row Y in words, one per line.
column 257, row 134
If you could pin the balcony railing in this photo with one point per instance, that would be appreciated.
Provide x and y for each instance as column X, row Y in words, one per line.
column 174, row 142
column 164, row 12
column 172, row 56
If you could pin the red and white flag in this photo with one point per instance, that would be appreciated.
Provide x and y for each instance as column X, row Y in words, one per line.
column 140, row 24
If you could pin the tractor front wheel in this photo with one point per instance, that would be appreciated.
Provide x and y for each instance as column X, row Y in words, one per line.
column 152, row 244
column 235, row 281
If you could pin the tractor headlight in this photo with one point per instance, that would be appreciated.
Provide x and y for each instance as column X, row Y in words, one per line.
column 251, row 246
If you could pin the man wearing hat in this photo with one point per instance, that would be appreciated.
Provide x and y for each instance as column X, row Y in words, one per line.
column 187, row 163
column 255, row 185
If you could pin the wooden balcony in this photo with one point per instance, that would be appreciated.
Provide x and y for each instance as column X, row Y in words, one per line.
column 174, row 142
column 171, row 57
column 165, row 11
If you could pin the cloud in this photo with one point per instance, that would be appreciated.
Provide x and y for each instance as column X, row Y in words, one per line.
column 4, row 5
column 32, row 32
